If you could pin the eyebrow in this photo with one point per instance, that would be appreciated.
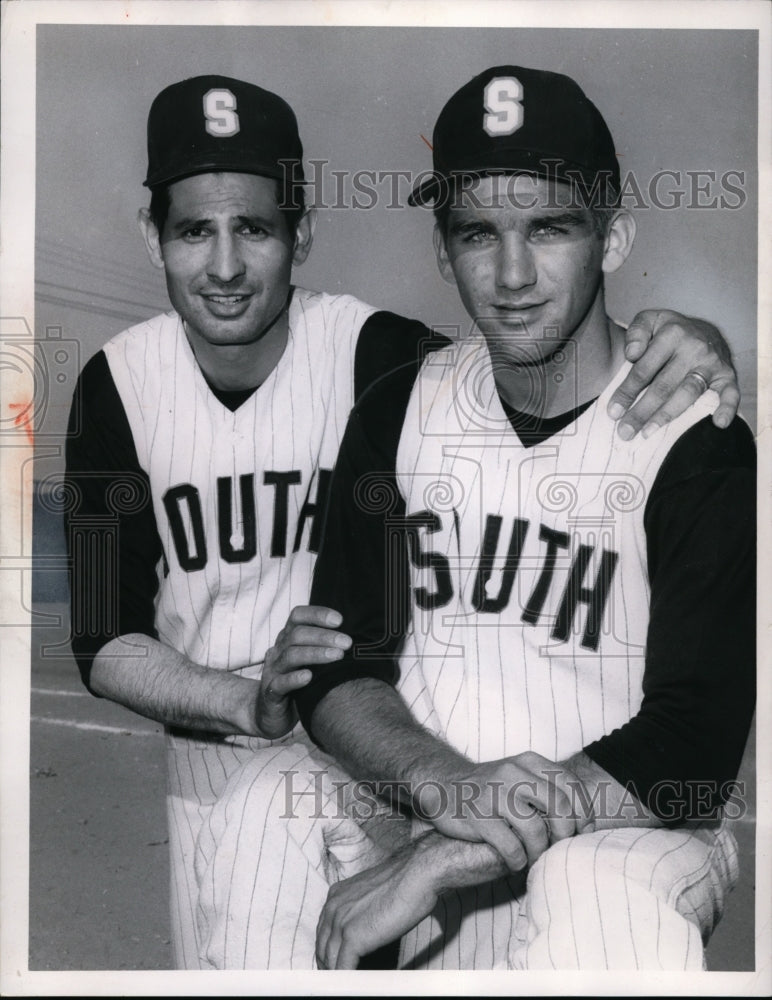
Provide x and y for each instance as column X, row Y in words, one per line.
column 573, row 218
column 190, row 222
column 568, row 218
column 472, row 225
column 193, row 223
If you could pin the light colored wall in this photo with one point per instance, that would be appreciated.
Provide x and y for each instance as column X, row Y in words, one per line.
column 680, row 100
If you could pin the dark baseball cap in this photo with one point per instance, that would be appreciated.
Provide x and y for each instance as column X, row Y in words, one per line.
column 510, row 119
column 211, row 123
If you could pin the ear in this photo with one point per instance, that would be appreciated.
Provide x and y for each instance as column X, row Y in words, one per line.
column 441, row 253
column 151, row 237
column 619, row 241
column 304, row 236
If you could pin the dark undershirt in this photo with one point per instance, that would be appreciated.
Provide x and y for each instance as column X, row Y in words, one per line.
column 532, row 429
column 231, row 399
column 699, row 680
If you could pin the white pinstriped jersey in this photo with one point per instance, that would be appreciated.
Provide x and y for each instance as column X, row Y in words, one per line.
column 528, row 565
column 234, row 493
column 234, row 497
column 238, row 496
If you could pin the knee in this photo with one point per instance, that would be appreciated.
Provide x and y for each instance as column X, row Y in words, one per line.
column 288, row 787
column 598, row 901
column 591, row 863
column 565, row 859
column 675, row 867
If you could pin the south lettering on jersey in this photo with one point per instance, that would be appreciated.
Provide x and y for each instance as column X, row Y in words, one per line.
column 236, row 516
column 495, row 575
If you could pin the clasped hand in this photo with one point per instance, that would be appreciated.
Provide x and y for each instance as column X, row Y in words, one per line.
column 519, row 805
column 308, row 638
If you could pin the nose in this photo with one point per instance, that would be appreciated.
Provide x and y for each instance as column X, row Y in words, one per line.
column 515, row 265
column 226, row 262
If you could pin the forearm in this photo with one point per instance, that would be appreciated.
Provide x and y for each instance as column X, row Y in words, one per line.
column 447, row 863
column 156, row 681
column 368, row 728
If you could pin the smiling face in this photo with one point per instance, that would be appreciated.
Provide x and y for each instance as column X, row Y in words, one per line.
column 528, row 263
column 227, row 253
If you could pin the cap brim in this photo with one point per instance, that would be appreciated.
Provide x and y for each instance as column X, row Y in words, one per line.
column 210, row 166
column 426, row 192
column 506, row 161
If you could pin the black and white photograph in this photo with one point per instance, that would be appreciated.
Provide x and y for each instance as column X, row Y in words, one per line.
column 384, row 454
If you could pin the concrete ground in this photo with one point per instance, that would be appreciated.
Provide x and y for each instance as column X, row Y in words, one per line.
column 98, row 854
column 99, row 870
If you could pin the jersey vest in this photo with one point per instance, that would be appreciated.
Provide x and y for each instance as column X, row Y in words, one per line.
column 528, row 565
column 237, row 495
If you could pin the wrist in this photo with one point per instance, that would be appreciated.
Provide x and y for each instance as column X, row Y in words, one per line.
column 430, row 779
column 430, row 861
column 581, row 779
column 443, row 863
column 240, row 708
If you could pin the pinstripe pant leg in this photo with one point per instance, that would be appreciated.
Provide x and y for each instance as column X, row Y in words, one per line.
column 626, row 899
column 198, row 771
column 267, row 854
column 469, row 929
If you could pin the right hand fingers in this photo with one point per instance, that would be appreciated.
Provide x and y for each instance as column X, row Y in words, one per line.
column 308, row 625
column 468, row 809
column 544, row 789
column 314, row 614
column 310, row 635
column 517, row 848
column 541, row 829
column 518, row 831
column 518, row 844
column 530, row 797
column 305, row 649
column 729, row 396
column 284, row 684
column 323, row 931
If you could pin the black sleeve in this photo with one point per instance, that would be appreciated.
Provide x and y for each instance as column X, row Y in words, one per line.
column 361, row 570
column 681, row 752
column 112, row 540
column 387, row 343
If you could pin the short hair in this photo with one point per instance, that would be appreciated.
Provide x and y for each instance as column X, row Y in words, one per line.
column 289, row 195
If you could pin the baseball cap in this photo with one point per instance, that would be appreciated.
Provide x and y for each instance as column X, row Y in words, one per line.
column 511, row 119
column 210, row 123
